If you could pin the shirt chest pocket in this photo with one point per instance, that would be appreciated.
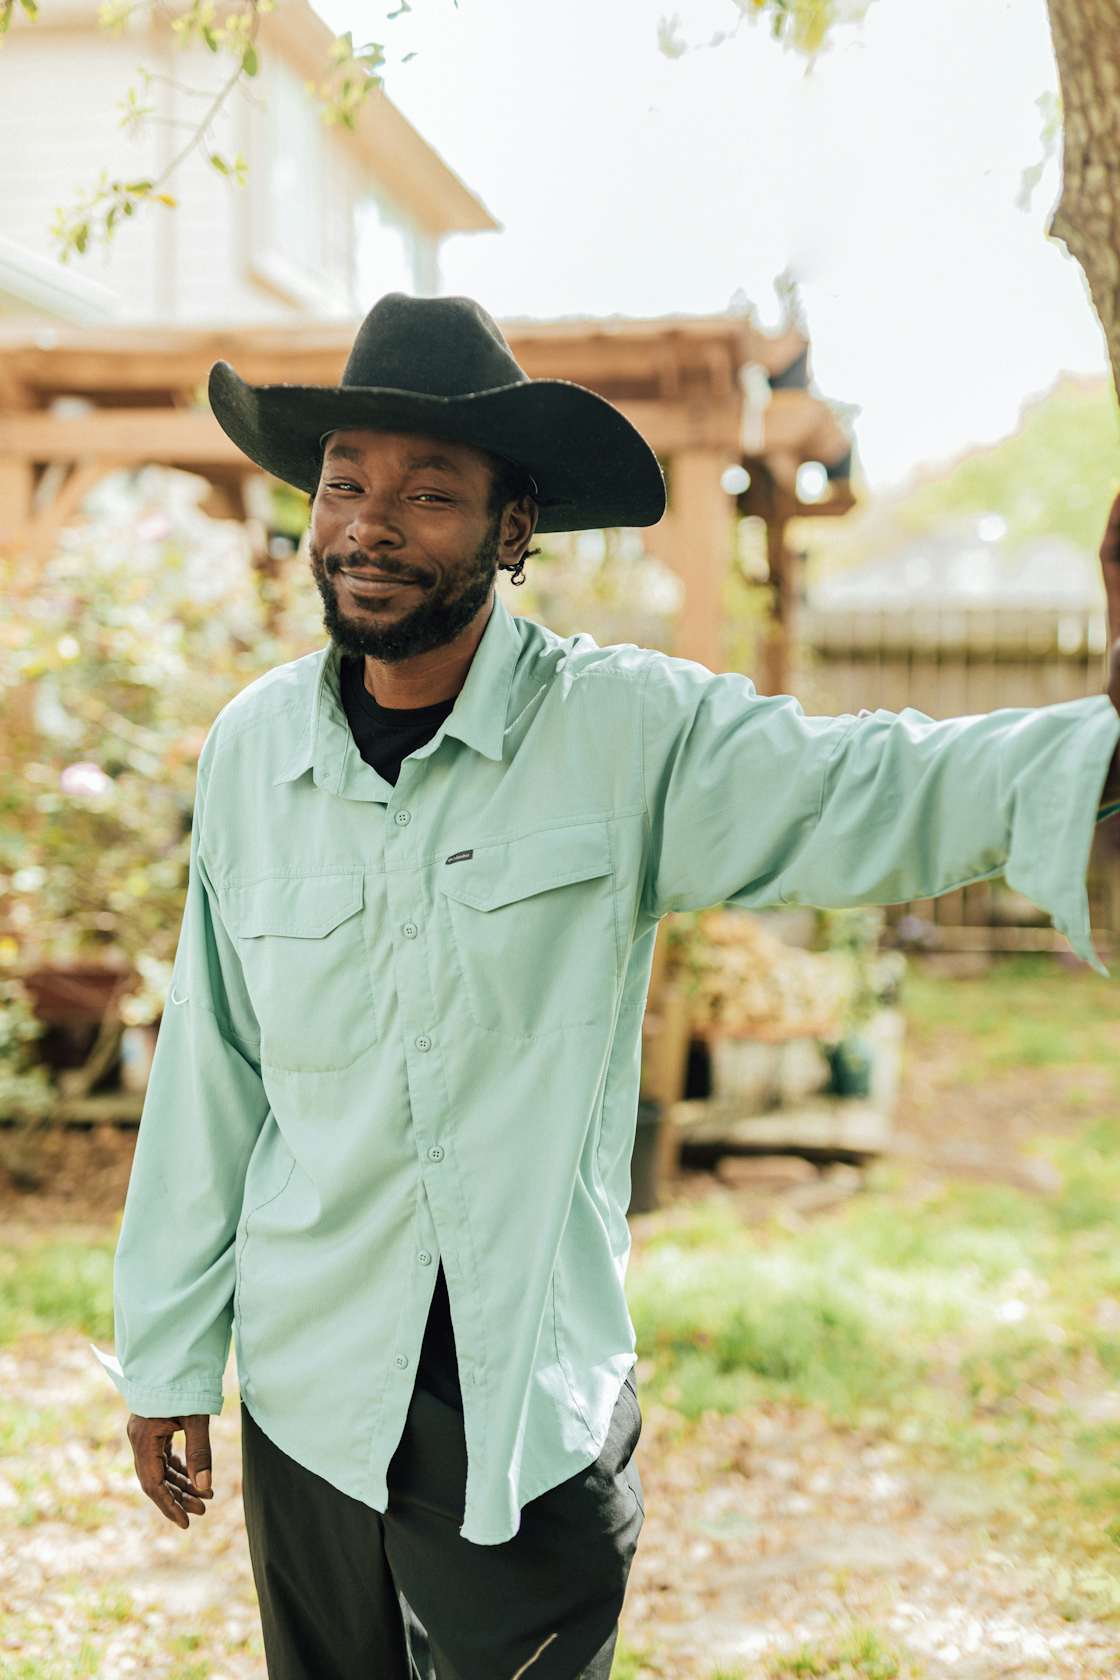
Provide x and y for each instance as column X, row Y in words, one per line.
column 303, row 953
column 532, row 930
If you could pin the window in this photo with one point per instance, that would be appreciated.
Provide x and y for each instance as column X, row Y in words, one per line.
column 384, row 250
column 295, row 186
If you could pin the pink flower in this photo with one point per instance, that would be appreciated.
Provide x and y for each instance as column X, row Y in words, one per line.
column 84, row 780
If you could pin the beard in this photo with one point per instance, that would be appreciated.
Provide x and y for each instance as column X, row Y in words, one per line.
column 441, row 614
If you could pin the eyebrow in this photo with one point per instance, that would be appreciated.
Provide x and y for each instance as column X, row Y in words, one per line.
column 441, row 463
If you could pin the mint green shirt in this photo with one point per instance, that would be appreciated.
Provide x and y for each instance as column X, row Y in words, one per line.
column 404, row 1022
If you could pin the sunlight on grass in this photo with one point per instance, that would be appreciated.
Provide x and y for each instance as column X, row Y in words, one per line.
column 860, row 1654
column 1027, row 1012
column 629, row 1661
column 84, row 1665
column 966, row 1322
column 53, row 1284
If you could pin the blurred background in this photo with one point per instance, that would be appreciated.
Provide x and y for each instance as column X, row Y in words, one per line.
column 849, row 268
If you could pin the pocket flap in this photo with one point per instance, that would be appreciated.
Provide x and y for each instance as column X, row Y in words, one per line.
column 298, row 906
column 514, row 869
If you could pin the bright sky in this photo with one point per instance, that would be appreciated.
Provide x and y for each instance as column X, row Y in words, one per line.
column 630, row 183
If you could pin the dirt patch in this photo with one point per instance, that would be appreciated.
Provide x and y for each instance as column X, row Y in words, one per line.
column 764, row 1528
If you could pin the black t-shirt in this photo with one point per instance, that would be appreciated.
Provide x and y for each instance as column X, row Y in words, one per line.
column 385, row 735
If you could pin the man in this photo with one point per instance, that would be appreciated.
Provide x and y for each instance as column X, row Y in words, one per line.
column 386, row 1139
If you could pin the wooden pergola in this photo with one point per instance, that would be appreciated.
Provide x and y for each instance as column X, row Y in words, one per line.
column 76, row 404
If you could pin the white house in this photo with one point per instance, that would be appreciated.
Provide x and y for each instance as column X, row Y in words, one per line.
column 328, row 219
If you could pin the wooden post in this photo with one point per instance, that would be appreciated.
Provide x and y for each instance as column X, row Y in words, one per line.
column 700, row 543
column 783, row 596
column 17, row 485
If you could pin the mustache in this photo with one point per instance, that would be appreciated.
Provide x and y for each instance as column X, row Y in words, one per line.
column 367, row 563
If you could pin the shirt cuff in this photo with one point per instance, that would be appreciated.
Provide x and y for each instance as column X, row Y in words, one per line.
column 1049, row 857
column 169, row 1401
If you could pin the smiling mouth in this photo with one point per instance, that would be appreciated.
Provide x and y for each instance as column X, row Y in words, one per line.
column 373, row 583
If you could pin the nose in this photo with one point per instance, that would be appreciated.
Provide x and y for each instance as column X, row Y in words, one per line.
column 372, row 527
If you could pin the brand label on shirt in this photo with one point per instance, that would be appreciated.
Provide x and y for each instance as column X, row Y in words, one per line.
column 457, row 857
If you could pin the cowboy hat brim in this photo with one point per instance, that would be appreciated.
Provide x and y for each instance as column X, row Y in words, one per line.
column 594, row 470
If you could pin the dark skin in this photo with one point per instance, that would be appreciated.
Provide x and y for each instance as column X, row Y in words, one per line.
column 371, row 509
column 429, row 527
column 1110, row 566
column 432, row 526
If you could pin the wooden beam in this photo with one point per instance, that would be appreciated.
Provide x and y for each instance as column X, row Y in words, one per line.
column 180, row 437
column 62, row 359
column 192, row 437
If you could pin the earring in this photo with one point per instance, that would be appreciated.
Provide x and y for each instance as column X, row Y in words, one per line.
column 517, row 573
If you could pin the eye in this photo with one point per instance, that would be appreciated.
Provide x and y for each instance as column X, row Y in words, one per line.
column 342, row 484
column 432, row 495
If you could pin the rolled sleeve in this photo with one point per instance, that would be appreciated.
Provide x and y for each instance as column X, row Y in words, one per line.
column 203, row 1110
column 752, row 802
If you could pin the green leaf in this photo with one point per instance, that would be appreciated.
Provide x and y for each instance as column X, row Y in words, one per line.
column 249, row 61
column 138, row 186
column 219, row 163
column 209, row 37
column 30, row 7
column 168, row 199
column 81, row 237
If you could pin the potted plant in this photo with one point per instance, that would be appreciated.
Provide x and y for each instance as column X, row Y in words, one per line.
column 853, row 1052
column 759, row 1004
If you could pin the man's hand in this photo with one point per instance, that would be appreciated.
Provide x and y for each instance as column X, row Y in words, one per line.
column 1110, row 566
column 173, row 1486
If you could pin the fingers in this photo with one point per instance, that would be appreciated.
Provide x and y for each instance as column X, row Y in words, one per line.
column 159, row 1471
column 198, row 1450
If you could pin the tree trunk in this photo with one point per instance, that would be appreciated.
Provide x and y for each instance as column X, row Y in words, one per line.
column 1086, row 35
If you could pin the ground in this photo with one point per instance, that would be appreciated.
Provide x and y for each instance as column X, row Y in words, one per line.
column 891, row 1456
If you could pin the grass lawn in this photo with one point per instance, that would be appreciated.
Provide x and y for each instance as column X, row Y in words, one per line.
column 973, row 1325
column 970, row 1329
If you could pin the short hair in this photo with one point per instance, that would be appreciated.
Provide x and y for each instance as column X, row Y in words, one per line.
column 508, row 483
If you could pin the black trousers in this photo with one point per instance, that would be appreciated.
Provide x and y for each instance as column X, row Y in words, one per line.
column 349, row 1593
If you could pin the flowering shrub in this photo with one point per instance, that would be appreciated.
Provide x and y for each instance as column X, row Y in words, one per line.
column 147, row 618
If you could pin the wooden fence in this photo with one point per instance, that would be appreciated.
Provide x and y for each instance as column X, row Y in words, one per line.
column 950, row 662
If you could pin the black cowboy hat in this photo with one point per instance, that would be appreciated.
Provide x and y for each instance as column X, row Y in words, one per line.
column 442, row 366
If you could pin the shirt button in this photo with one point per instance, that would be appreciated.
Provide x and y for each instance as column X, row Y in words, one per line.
column 402, row 1360
column 403, row 817
column 435, row 1153
column 423, row 1043
column 409, row 930
column 424, row 1257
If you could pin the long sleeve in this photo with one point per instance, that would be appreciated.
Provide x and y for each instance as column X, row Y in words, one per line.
column 752, row 802
column 203, row 1109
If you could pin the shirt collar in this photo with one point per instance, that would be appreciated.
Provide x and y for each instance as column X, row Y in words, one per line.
column 478, row 717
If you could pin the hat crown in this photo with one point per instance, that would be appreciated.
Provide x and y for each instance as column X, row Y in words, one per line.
column 442, row 346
